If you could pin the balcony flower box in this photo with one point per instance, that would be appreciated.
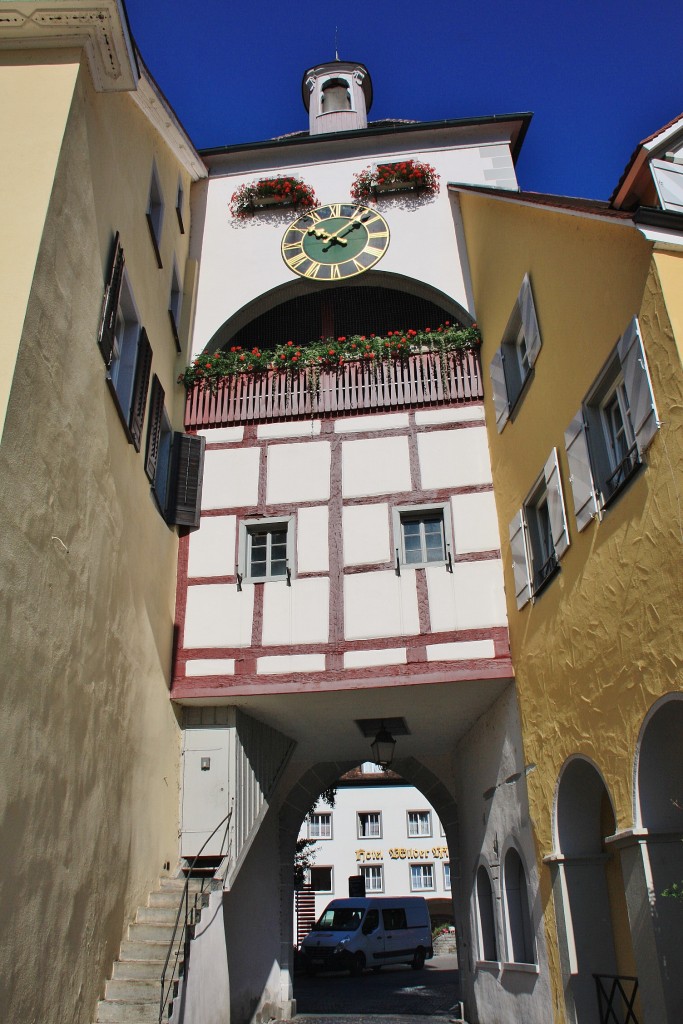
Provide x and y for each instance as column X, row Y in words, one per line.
column 267, row 192
column 403, row 176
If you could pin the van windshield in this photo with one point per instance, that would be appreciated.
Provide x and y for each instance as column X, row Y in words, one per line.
column 339, row 919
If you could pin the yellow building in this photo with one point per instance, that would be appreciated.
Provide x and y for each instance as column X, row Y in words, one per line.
column 581, row 309
column 95, row 175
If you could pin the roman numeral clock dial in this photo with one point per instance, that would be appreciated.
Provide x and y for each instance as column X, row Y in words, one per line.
column 335, row 242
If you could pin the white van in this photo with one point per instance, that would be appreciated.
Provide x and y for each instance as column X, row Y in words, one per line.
column 352, row 934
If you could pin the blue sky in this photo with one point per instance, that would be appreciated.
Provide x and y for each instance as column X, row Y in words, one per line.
column 598, row 76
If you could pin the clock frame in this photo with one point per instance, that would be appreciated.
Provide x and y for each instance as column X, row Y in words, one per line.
column 335, row 242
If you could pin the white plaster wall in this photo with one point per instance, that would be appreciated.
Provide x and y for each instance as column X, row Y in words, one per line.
column 475, row 523
column 375, row 466
column 380, row 604
column 218, row 615
column 461, row 650
column 298, row 614
column 365, row 530
column 212, row 547
column 290, row 428
column 454, row 458
column 312, row 539
column 230, row 478
column 460, row 414
column 387, row 421
column 386, row 656
column 343, row 851
column 298, row 472
column 205, row 991
column 470, row 597
column 290, row 663
column 210, row 667
column 247, row 253
column 222, row 435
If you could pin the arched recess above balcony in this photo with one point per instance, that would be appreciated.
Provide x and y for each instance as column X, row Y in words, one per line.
column 302, row 311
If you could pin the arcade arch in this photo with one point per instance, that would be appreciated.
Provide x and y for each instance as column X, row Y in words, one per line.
column 592, row 917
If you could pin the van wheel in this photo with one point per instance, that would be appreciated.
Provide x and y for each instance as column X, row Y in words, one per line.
column 357, row 965
column 419, row 958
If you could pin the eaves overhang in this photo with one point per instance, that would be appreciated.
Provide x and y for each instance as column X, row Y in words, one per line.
column 519, row 125
column 100, row 27
column 571, row 205
column 650, row 147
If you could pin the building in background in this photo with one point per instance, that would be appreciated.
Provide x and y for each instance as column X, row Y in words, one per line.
column 384, row 831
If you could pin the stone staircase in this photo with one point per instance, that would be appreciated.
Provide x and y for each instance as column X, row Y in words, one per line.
column 132, row 994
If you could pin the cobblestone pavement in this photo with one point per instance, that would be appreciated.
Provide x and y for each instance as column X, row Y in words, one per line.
column 396, row 995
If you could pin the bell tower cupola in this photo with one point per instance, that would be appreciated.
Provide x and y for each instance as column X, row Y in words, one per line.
column 337, row 96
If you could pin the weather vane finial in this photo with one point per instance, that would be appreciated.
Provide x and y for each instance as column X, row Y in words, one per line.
column 336, row 44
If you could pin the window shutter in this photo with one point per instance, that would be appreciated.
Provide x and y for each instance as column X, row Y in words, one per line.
column 638, row 386
column 187, row 466
column 580, row 473
column 668, row 179
column 110, row 304
column 532, row 335
column 143, row 365
column 520, row 561
column 156, row 412
column 556, row 511
column 499, row 389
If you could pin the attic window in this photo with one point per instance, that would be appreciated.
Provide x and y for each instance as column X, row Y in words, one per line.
column 336, row 95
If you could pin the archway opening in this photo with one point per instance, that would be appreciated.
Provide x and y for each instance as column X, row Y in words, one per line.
column 381, row 836
column 596, row 931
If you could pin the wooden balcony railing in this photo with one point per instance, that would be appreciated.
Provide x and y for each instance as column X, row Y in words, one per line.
column 418, row 381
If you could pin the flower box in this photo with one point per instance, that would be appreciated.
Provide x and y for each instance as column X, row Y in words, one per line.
column 402, row 176
column 260, row 202
column 266, row 192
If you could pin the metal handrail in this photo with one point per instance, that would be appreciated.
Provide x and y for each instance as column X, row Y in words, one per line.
column 184, row 899
column 606, row 1007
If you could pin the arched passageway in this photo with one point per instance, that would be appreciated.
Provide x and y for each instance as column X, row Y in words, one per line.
column 390, row 992
column 592, row 918
column 656, row 914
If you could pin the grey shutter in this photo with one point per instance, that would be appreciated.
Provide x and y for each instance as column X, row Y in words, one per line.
column 187, row 469
column 156, row 413
column 520, row 561
column 110, row 303
column 499, row 389
column 532, row 335
column 556, row 511
column 580, row 473
column 668, row 179
column 143, row 366
column 638, row 386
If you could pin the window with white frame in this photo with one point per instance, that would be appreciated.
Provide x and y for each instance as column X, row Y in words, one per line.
column 538, row 534
column 486, row 920
column 609, row 435
column 266, row 550
column 369, row 824
column 513, row 362
column 447, row 875
column 520, row 945
column 175, row 302
column 321, row 879
column 422, row 535
column 419, row 824
column 155, row 213
column 421, row 877
column 374, row 877
column 320, row 825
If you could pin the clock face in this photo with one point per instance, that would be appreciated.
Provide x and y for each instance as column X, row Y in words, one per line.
column 335, row 242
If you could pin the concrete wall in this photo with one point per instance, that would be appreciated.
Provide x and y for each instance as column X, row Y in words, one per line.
column 89, row 759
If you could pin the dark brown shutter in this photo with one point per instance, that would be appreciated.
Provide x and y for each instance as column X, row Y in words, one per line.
column 110, row 304
column 187, row 468
column 143, row 365
column 156, row 413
